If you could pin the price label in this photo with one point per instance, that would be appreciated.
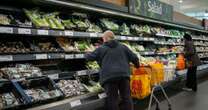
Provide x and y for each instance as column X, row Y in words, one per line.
column 6, row 30
column 81, row 73
column 75, row 103
column 53, row 76
column 136, row 38
column 123, row 37
column 152, row 39
column 6, row 58
column 70, row 56
column 42, row 32
column 24, row 31
column 93, row 35
column 41, row 56
column 102, row 95
column 130, row 38
column 146, row 39
column 69, row 33
column 79, row 55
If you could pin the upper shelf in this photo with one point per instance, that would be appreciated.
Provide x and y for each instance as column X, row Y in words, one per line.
column 117, row 13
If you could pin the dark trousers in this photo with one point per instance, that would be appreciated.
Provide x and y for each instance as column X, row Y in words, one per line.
column 191, row 81
column 117, row 87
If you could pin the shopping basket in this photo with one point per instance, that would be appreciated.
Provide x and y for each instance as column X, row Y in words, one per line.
column 157, row 85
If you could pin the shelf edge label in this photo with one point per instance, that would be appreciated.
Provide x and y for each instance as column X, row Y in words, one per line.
column 75, row 103
column 6, row 58
column 41, row 56
column 6, row 30
column 24, row 31
column 42, row 32
column 102, row 95
column 68, row 33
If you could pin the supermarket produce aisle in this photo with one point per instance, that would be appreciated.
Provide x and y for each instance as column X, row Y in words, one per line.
column 189, row 100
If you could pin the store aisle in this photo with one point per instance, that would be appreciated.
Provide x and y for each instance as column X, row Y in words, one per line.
column 189, row 100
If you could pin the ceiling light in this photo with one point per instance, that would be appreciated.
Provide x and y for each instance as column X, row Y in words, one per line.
column 180, row 1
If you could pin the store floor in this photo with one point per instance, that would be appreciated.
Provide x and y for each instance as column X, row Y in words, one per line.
column 186, row 100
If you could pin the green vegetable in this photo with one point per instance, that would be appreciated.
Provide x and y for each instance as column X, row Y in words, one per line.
column 36, row 18
column 109, row 24
column 53, row 21
column 124, row 30
column 69, row 24
column 92, row 65
column 94, row 28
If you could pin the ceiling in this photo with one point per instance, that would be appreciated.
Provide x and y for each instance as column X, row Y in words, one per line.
column 195, row 8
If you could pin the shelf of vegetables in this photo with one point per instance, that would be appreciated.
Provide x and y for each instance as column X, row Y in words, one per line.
column 49, row 47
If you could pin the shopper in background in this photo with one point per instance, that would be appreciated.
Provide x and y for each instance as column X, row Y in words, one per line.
column 192, row 61
column 114, row 58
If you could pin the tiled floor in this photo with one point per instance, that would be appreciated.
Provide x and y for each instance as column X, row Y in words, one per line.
column 187, row 100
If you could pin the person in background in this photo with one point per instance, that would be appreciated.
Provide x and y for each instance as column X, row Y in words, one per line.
column 114, row 60
column 192, row 61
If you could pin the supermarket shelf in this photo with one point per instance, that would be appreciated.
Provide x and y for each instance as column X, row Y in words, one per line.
column 160, row 53
column 115, row 13
column 165, row 43
column 169, row 36
column 200, row 39
column 64, row 33
column 75, row 103
column 53, row 56
column 42, row 56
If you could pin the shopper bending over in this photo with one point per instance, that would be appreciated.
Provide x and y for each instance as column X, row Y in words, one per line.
column 192, row 61
column 114, row 58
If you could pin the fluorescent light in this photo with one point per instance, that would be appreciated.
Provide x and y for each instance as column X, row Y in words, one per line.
column 180, row 1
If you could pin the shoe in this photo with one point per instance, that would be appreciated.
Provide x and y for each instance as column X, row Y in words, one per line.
column 187, row 89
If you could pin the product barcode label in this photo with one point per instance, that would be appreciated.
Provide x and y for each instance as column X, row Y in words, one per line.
column 93, row 35
column 53, row 76
column 152, row 39
column 70, row 56
column 79, row 55
column 75, row 103
column 102, row 95
column 68, row 33
column 42, row 32
column 6, row 30
column 83, row 72
column 6, row 58
column 41, row 56
column 24, row 31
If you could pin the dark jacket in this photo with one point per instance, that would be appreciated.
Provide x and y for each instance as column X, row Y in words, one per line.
column 191, row 54
column 113, row 58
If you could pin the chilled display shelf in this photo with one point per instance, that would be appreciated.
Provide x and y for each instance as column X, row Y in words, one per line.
column 115, row 13
column 53, row 56
column 65, row 33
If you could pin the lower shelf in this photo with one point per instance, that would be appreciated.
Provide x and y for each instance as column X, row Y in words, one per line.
column 87, row 102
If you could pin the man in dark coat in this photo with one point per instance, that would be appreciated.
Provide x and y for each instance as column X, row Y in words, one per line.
column 192, row 61
column 114, row 59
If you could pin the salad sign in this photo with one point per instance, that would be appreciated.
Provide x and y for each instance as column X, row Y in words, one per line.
column 151, row 8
